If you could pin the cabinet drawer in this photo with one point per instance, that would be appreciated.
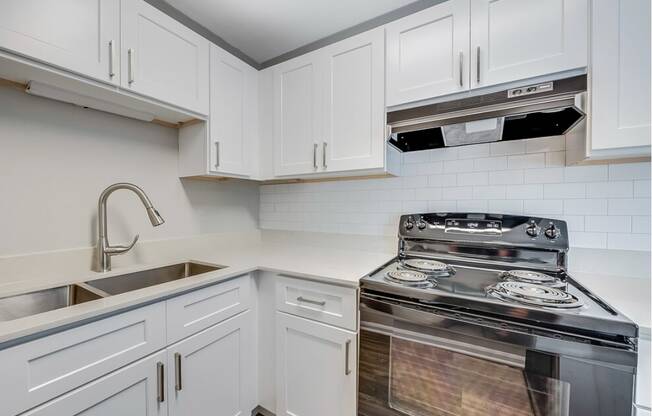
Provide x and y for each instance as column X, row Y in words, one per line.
column 334, row 305
column 190, row 313
column 39, row 370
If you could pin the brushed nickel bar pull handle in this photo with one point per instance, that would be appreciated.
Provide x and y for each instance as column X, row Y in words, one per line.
column 347, row 349
column 477, row 65
column 461, row 69
column 323, row 156
column 314, row 155
column 130, row 55
column 314, row 302
column 160, row 382
column 177, row 372
column 111, row 59
column 217, row 154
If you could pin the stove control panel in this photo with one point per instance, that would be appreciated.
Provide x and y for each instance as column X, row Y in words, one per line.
column 472, row 226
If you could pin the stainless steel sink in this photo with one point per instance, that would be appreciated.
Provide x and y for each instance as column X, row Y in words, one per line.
column 146, row 278
column 26, row 304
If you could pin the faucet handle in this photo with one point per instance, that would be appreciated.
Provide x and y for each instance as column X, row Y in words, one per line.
column 120, row 249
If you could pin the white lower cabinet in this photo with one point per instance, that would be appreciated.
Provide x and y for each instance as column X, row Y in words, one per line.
column 132, row 390
column 210, row 373
column 316, row 368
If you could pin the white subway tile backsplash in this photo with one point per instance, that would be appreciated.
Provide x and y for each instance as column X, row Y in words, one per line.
column 546, row 175
column 587, row 240
column 504, row 206
column 524, row 192
column 490, row 163
column 506, row 177
column 641, row 224
column 529, row 161
column 629, row 242
column 604, row 206
column 455, row 166
column 619, row 189
column 585, row 206
column 489, row 192
column 586, row 173
column 625, row 171
column 442, row 180
column 475, row 151
column 543, row 207
column 608, row 223
column 629, row 207
column 475, row 178
column 564, row 190
column 642, row 189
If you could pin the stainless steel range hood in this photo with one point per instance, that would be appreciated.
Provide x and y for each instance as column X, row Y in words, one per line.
column 537, row 110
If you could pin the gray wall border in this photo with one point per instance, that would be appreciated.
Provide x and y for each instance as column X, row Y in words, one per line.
column 171, row 11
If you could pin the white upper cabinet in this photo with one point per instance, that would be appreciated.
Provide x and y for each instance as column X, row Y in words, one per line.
column 82, row 36
column 163, row 59
column 354, row 107
column 620, row 74
column 428, row 53
column 233, row 104
column 518, row 39
column 297, row 103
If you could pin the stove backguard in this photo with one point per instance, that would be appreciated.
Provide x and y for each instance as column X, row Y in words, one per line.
column 516, row 240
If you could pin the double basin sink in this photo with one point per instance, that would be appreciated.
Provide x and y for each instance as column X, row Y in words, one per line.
column 27, row 304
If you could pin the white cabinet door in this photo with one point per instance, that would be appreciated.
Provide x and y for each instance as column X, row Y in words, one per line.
column 316, row 368
column 297, row 105
column 518, row 39
column 643, row 385
column 81, row 36
column 428, row 53
column 354, row 106
column 233, row 102
column 620, row 74
column 163, row 59
column 132, row 390
column 210, row 373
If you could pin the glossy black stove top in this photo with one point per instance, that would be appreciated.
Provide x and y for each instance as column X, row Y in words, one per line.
column 466, row 289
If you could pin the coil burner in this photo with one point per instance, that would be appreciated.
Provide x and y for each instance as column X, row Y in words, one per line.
column 410, row 278
column 534, row 294
column 537, row 278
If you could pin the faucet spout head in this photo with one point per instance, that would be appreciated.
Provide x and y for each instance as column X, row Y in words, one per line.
column 154, row 217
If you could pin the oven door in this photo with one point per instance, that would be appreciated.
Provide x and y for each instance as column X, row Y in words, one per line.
column 424, row 362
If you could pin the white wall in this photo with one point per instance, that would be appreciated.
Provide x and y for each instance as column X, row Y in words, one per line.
column 606, row 206
column 56, row 158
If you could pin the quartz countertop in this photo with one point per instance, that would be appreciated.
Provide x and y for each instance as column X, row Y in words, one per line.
column 330, row 258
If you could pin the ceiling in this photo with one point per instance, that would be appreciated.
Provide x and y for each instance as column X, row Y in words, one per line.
column 266, row 29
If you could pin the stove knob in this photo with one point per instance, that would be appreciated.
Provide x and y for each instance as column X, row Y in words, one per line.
column 551, row 232
column 409, row 223
column 533, row 230
column 421, row 224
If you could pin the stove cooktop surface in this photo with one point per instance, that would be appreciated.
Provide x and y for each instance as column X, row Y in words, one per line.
column 551, row 298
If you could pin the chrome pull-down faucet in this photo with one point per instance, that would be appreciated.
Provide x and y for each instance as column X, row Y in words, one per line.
column 104, row 249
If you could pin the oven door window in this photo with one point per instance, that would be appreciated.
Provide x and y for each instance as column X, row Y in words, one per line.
column 428, row 379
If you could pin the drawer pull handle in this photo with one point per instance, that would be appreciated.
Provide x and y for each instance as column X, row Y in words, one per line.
column 314, row 302
column 177, row 372
column 347, row 349
column 160, row 380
